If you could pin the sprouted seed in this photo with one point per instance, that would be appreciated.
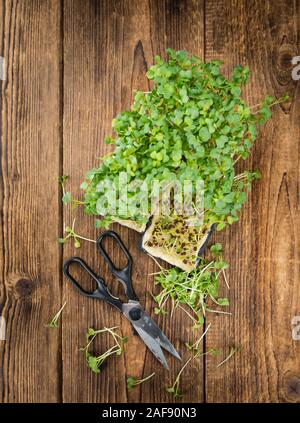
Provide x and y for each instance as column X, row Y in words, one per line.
column 53, row 323
column 132, row 382
column 95, row 362
column 174, row 236
column 174, row 389
column 232, row 351
column 71, row 234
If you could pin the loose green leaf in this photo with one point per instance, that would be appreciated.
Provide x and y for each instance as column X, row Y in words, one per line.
column 216, row 249
column 223, row 301
column 132, row 382
column 94, row 362
column 66, row 198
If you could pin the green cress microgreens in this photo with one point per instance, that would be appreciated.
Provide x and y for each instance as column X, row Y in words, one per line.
column 189, row 290
column 95, row 362
column 217, row 251
column 53, row 322
column 71, row 234
column 132, row 382
column 193, row 124
column 195, row 347
column 174, row 389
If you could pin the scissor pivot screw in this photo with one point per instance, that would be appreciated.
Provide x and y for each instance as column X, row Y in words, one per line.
column 135, row 313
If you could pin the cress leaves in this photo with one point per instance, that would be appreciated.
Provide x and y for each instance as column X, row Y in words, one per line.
column 192, row 122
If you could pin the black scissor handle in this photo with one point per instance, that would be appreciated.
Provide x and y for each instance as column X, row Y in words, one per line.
column 123, row 275
column 101, row 292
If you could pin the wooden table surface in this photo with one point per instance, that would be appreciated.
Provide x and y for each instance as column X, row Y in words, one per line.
column 71, row 66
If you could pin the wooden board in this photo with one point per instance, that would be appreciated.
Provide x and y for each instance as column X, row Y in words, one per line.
column 71, row 67
column 30, row 206
column 107, row 51
column 263, row 248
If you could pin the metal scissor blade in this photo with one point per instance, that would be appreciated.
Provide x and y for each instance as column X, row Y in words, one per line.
column 153, row 346
column 141, row 320
column 166, row 344
column 149, row 326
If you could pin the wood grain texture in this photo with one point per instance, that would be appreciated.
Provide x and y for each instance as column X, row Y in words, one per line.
column 108, row 48
column 30, row 144
column 178, row 25
column 90, row 82
column 71, row 66
column 263, row 248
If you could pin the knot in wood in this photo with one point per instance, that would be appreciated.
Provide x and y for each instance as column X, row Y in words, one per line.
column 24, row 287
column 285, row 60
column 293, row 388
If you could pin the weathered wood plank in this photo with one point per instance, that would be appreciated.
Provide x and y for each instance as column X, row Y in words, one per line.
column 30, row 145
column 178, row 25
column 108, row 47
column 92, row 37
column 263, row 248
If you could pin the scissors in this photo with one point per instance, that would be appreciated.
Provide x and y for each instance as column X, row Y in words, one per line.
column 147, row 329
